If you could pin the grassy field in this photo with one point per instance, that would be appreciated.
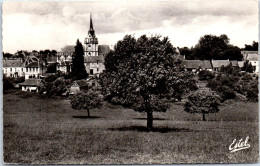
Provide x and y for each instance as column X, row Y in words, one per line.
column 47, row 131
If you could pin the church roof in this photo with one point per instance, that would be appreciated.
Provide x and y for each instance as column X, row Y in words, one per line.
column 94, row 59
column 103, row 49
column 13, row 63
column 68, row 49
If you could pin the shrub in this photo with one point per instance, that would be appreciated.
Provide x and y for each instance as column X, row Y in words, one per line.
column 7, row 83
column 228, row 94
column 206, row 75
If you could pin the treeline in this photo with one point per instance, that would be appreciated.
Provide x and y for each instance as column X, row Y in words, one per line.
column 23, row 53
column 216, row 47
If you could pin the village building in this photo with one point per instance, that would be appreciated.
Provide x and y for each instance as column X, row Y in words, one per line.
column 196, row 65
column 78, row 86
column 217, row 64
column 14, row 67
column 94, row 55
column 31, row 85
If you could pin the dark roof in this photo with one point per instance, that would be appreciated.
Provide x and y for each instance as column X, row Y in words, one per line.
column 94, row 59
column 31, row 82
column 219, row 63
column 33, row 64
column 13, row 63
column 51, row 58
column 81, row 83
column 68, row 49
column 196, row 64
column 103, row 49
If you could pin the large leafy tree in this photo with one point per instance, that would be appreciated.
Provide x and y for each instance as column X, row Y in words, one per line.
column 211, row 47
column 141, row 72
column 253, row 47
column 248, row 67
column 86, row 100
column 78, row 68
column 202, row 102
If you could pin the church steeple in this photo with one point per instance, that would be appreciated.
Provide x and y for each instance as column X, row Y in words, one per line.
column 91, row 29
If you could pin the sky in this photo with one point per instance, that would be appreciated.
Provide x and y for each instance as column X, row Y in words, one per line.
column 52, row 25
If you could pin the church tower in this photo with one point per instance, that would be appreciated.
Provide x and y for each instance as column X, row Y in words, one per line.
column 91, row 41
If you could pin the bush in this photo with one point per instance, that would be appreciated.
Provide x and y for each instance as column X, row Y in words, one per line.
column 228, row 94
column 206, row 75
column 7, row 83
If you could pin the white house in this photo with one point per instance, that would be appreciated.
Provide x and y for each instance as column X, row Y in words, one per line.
column 31, row 85
column 14, row 67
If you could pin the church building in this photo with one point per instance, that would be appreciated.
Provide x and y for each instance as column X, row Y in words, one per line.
column 93, row 53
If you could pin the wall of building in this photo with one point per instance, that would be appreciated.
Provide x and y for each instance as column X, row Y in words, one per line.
column 14, row 71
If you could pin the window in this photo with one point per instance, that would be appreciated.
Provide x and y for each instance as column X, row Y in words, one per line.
column 10, row 69
column 97, row 61
column 89, row 45
column 91, row 72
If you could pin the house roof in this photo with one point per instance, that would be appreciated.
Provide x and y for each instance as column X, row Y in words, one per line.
column 103, row 49
column 219, row 63
column 13, row 63
column 51, row 58
column 180, row 57
column 195, row 64
column 252, row 57
column 240, row 63
column 234, row 63
column 68, row 49
column 31, row 82
column 33, row 64
column 81, row 83
column 94, row 59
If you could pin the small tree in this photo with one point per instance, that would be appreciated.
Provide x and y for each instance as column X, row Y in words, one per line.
column 206, row 75
column 202, row 102
column 248, row 67
column 78, row 68
column 88, row 100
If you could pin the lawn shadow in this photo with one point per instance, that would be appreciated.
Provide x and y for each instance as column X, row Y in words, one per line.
column 156, row 129
column 153, row 119
column 87, row 117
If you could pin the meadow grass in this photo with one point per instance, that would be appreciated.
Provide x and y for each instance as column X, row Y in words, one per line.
column 47, row 131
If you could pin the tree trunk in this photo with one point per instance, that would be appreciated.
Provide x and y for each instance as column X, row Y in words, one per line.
column 203, row 117
column 149, row 120
column 88, row 113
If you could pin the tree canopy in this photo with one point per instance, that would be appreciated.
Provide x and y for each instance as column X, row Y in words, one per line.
column 141, row 72
column 88, row 100
column 78, row 68
column 202, row 102
column 215, row 47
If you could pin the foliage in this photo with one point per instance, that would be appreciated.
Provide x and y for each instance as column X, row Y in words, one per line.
column 7, row 83
column 88, row 100
column 54, row 86
column 216, row 47
column 229, row 69
column 78, row 68
column 253, row 47
column 52, row 68
column 228, row 85
column 202, row 102
column 206, row 75
column 140, row 72
column 247, row 67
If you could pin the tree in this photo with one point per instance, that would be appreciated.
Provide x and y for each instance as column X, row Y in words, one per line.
column 232, row 53
column 248, row 67
column 202, row 102
column 52, row 68
column 88, row 100
column 206, row 75
column 211, row 47
column 141, row 72
column 7, row 55
column 253, row 47
column 7, row 83
column 78, row 68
